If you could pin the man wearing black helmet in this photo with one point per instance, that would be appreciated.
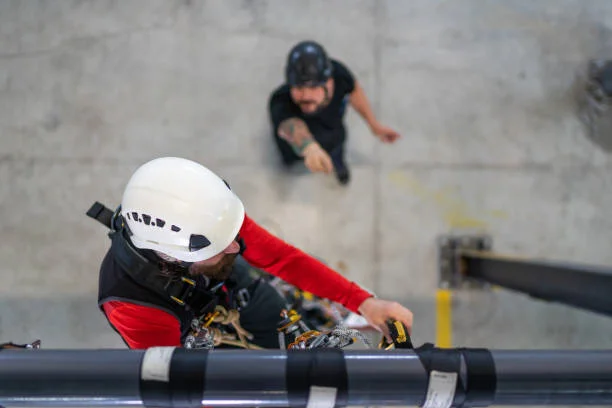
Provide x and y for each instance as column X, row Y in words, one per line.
column 307, row 112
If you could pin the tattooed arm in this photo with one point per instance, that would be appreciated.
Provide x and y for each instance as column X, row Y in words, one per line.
column 296, row 133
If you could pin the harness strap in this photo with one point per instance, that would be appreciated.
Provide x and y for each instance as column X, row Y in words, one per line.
column 101, row 214
column 184, row 291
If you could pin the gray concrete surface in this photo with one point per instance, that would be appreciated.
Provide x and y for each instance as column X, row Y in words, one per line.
column 479, row 90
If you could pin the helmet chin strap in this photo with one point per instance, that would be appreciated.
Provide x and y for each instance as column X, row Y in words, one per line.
column 181, row 268
column 170, row 264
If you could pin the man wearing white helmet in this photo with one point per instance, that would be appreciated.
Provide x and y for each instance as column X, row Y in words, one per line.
column 178, row 240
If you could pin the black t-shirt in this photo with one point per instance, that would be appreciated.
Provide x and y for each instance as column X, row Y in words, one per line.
column 327, row 126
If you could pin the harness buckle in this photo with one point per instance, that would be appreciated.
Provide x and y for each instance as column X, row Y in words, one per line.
column 243, row 297
column 186, row 291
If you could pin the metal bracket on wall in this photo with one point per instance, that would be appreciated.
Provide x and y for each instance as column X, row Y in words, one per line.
column 450, row 262
column 467, row 261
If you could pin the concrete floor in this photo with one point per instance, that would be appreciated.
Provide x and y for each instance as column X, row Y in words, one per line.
column 480, row 91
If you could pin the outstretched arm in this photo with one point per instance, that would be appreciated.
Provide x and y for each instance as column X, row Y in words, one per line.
column 275, row 256
column 359, row 101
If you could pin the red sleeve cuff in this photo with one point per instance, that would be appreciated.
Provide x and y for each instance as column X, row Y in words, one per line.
column 358, row 296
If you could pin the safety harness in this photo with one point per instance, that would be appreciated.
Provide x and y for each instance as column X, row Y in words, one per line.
column 186, row 292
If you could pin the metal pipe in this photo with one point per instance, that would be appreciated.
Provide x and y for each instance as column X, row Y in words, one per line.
column 553, row 377
column 176, row 377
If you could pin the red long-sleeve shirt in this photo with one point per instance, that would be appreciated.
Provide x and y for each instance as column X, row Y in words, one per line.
column 146, row 326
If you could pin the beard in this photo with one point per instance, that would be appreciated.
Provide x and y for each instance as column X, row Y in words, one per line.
column 219, row 271
column 308, row 102
column 309, row 107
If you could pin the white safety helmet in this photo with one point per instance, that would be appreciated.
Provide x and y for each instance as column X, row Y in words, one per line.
column 180, row 208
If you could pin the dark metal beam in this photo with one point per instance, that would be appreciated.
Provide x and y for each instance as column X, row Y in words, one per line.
column 584, row 286
column 468, row 261
column 175, row 377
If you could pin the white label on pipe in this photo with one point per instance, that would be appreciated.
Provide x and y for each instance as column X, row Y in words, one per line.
column 322, row 397
column 156, row 364
column 441, row 390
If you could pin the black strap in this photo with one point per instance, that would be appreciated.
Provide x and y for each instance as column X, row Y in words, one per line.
column 155, row 394
column 187, row 386
column 481, row 377
column 185, row 292
column 238, row 298
column 400, row 335
column 187, row 379
column 100, row 213
column 443, row 360
column 320, row 367
column 136, row 265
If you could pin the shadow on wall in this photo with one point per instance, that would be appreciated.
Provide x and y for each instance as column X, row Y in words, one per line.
column 60, row 322
column 593, row 94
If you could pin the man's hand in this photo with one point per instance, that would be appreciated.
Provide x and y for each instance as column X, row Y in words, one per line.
column 378, row 311
column 384, row 133
column 317, row 159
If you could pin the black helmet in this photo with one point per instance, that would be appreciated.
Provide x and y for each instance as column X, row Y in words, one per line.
column 307, row 64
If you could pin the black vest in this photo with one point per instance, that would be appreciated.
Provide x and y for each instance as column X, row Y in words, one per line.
column 185, row 298
column 116, row 284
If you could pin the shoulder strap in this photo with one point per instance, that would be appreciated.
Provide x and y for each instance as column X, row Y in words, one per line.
column 101, row 214
column 185, row 292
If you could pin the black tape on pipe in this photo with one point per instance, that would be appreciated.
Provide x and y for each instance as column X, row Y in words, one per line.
column 441, row 363
column 173, row 377
column 475, row 389
column 481, row 377
column 317, row 376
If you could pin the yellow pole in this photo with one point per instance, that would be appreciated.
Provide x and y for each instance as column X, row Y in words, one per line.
column 444, row 329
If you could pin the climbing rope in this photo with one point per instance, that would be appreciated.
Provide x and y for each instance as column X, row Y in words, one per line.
column 203, row 335
column 232, row 318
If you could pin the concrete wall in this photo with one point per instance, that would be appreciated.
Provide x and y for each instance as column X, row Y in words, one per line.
column 479, row 90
